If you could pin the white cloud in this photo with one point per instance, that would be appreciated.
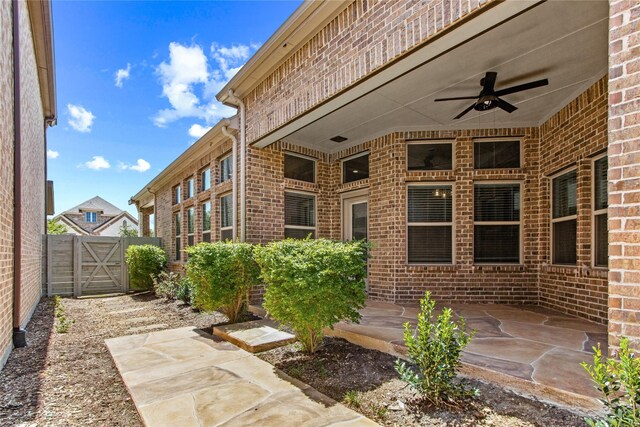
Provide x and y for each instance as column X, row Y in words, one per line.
column 98, row 163
column 141, row 166
column 190, row 81
column 52, row 154
column 81, row 119
column 197, row 130
column 122, row 74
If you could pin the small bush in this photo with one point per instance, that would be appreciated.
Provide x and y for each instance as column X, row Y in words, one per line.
column 144, row 263
column 222, row 274
column 313, row 284
column 619, row 382
column 166, row 284
column 435, row 350
column 185, row 291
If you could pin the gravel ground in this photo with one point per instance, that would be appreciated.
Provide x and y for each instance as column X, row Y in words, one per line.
column 371, row 385
column 69, row 379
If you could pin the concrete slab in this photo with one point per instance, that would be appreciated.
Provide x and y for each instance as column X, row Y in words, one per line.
column 185, row 377
column 255, row 336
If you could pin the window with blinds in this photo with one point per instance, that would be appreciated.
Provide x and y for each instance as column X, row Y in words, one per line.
column 225, row 168
column 355, row 168
column 177, row 230
column 226, row 218
column 564, row 208
column 299, row 168
column 600, row 204
column 430, row 224
column 423, row 156
column 299, row 215
column 206, row 221
column 205, row 179
column 496, row 223
column 190, row 226
column 496, row 154
column 190, row 188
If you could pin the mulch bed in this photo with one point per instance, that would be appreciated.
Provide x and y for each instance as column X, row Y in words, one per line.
column 340, row 368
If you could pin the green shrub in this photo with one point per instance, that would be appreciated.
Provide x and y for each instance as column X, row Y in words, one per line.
column 313, row 284
column 144, row 263
column 185, row 291
column 222, row 274
column 619, row 382
column 166, row 284
column 435, row 349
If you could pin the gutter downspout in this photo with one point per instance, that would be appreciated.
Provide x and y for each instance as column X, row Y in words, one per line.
column 234, row 181
column 19, row 334
column 243, row 163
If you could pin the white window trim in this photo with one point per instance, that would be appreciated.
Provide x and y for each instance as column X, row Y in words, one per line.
column 191, row 180
column 92, row 215
column 315, row 213
column 302, row 156
column 355, row 156
column 564, row 218
column 427, row 142
column 202, row 171
column 594, row 212
column 229, row 227
column 500, row 139
column 433, row 224
column 520, row 223
column 176, row 194
column 222, row 159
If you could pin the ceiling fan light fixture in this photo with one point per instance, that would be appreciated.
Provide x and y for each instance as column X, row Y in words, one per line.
column 486, row 102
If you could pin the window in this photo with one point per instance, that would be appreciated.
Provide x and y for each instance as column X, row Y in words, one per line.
column 176, row 194
column 205, row 177
column 299, row 215
column 496, row 154
column 91, row 216
column 299, row 168
column 190, row 227
column 564, row 218
column 177, row 223
column 600, row 203
column 226, row 223
column 355, row 168
column 206, row 222
column 225, row 169
column 429, row 224
column 190, row 188
column 423, row 156
column 496, row 229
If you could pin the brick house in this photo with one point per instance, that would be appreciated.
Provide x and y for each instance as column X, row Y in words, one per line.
column 27, row 108
column 338, row 135
column 96, row 217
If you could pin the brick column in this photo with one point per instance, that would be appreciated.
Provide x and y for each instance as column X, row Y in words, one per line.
column 624, row 171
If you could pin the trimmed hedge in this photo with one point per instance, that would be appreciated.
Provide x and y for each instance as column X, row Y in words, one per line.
column 222, row 273
column 313, row 284
column 144, row 263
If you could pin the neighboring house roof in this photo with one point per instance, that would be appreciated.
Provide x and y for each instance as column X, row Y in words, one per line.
column 115, row 219
column 109, row 214
column 96, row 204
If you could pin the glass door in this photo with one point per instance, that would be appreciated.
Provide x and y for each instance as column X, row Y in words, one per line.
column 355, row 220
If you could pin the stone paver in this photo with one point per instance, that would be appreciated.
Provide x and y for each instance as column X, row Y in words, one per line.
column 255, row 336
column 185, row 377
column 532, row 349
column 146, row 328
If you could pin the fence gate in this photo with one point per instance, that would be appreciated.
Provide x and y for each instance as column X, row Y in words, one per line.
column 89, row 265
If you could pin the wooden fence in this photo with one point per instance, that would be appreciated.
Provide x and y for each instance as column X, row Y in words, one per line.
column 89, row 265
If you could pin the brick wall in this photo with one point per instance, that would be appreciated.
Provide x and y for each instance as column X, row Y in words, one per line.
column 33, row 179
column 624, row 171
column 572, row 137
column 6, row 179
column 364, row 37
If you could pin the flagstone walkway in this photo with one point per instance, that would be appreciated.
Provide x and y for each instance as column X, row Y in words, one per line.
column 185, row 377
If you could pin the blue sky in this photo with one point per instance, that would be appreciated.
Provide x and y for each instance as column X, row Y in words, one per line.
column 136, row 85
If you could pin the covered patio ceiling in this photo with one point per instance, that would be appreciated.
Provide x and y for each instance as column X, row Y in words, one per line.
column 563, row 41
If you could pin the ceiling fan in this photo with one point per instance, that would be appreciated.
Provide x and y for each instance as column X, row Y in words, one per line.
column 489, row 98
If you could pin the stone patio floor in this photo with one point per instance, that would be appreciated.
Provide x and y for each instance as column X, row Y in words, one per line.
column 527, row 348
column 185, row 377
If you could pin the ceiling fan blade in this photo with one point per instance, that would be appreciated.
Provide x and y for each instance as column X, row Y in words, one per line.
column 455, row 99
column 519, row 88
column 506, row 106
column 489, row 81
column 464, row 112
